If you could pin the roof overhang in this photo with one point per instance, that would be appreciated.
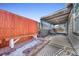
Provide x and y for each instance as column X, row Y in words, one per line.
column 59, row 17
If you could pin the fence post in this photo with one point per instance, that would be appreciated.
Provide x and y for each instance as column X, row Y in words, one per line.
column 11, row 43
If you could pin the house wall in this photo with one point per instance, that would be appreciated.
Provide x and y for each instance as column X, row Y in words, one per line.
column 44, row 28
column 73, row 38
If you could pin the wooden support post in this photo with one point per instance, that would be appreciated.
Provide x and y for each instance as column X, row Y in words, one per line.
column 11, row 43
column 35, row 36
column 17, row 39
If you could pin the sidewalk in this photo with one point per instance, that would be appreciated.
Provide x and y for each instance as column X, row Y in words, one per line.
column 54, row 45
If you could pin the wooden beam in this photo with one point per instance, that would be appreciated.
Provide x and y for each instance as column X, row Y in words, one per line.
column 59, row 18
column 57, row 14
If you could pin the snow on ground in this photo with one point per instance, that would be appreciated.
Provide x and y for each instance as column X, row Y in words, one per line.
column 19, row 51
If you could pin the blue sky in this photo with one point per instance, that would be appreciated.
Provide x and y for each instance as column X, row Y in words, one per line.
column 32, row 10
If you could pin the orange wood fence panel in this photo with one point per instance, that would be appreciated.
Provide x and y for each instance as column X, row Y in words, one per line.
column 12, row 25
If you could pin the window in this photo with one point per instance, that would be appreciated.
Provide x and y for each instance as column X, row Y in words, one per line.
column 45, row 25
column 76, row 18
